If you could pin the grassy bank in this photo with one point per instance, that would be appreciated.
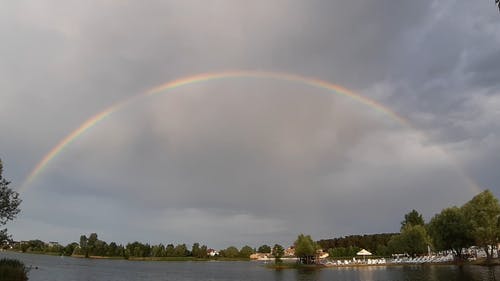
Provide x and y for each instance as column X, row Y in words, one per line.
column 294, row 265
column 164, row 258
column 13, row 270
column 139, row 258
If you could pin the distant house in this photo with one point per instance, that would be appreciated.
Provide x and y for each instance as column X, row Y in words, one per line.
column 290, row 251
column 8, row 245
column 212, row 252
column 320, row 254
column 260, row 256
column 53, row 244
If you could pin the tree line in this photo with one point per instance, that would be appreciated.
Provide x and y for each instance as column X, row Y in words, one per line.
column 476, row 223
column 348, row 246
column 92, row 246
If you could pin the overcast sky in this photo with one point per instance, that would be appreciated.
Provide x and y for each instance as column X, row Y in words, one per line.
column 246, row 161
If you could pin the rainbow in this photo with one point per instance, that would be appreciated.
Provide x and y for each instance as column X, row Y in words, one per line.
column 199, row 78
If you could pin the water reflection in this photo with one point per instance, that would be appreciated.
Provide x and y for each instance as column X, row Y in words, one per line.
column 489, row 273
column 54, row 269
column 458, row 273
column 307, row 274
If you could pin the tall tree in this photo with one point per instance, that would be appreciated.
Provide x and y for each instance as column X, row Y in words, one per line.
column 483, row 212
column 9, row 205
column 170, row 250
column 450, row 229
column 203, row 252
column 70, row 248
column 246, row 251
column 92, row 243
column 84, row 246
column 264, row 249
column 195, row 250
column 113, row 250
column 412, row 218
column 413, row 240
column 181, row 250
column 231, row 252
column 278, row 252
column 305, row 248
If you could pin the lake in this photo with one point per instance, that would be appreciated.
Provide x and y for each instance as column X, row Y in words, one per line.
column 55, row 268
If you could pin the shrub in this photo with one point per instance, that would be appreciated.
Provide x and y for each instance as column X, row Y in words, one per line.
column 13, row 270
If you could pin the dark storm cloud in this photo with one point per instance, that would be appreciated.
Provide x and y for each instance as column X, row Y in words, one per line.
column 236, row 158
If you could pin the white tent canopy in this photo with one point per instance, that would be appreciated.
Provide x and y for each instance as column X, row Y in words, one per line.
column 364, row 252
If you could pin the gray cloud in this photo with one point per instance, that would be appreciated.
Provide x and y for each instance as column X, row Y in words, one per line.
column 245, row 159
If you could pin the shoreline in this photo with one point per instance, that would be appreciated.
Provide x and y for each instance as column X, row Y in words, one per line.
column 165, row 259
column 322, row 266
column 479, row 262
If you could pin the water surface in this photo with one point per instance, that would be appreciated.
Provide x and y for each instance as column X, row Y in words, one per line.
column 52, row 268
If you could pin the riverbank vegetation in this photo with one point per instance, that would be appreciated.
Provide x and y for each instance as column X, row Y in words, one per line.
column 13, row 270
column 348, row 246
column 92, row 246
column 476, row 223
column 10, row 269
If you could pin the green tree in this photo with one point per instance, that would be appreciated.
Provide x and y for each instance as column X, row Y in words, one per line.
column 246, row 251
column 170, row 250
column 125, row 252
column 411, row 219
column 305, row 248
column 36, row 245
column 483, row 212
column 84, row 246
column 195, row 250
column 450, row 229
column 264, row 249
column 70, row 248
column 158, row 250
column 91, row 244
column 413, row 240
column 367, row 241
column 341, row 252
column 24, row 247
column 203, row 252
column 9, row 205
column 181, row 250
column 230, row 252
column 336, row 252
column 100, row 248
column 137, row 249
column 278, row 252
column 55, row 248
column 113, row 250
column 4, row 238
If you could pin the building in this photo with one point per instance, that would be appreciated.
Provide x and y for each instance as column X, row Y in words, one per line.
column 290, row 251
column 212, row 252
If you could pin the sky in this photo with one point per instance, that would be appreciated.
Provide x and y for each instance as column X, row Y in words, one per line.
column 246, row 160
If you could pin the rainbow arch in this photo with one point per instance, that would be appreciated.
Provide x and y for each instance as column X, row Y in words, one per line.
column 203, row 77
